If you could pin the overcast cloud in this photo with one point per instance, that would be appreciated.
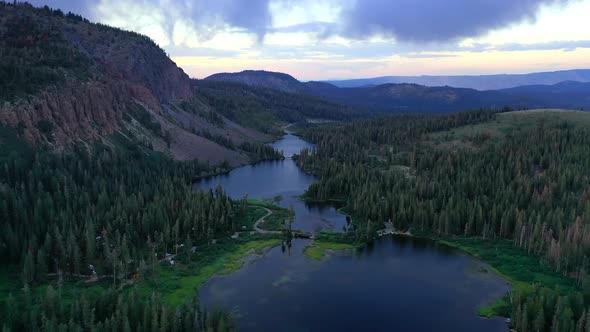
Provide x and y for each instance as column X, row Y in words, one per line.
column 405, row 20
column 239, row 34
column 428, row 20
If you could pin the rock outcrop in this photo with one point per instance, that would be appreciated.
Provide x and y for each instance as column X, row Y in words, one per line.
column 92, row 75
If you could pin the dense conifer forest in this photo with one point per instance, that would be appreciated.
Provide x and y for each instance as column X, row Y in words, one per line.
column 108, row 215
column 529, row 186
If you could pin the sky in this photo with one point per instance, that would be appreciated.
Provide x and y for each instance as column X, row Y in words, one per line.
column 340, row 39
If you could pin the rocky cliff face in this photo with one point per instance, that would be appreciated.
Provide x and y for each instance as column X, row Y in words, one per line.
column 84, row 112
column 68, row 81
column 130, row 57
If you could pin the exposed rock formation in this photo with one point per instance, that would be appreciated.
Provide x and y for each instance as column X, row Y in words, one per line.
column 97, row 74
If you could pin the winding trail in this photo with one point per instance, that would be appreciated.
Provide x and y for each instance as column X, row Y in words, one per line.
column 294, row 233
column 261, row 220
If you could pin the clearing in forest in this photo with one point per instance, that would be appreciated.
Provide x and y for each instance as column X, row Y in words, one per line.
column 477, row 135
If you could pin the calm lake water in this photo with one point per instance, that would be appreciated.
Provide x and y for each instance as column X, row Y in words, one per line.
column 283, row 178
column 396, row 284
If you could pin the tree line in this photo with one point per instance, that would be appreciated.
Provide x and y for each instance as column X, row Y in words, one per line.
column 103, row 213
column 113, row 310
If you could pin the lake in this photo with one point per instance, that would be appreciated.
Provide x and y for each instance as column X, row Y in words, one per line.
column 394, row 284
column 283, row 178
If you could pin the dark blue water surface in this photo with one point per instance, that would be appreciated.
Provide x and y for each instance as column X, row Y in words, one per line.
column 280, row 178
column 396, row 284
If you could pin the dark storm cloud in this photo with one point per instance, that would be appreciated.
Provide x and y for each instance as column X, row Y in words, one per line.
column 435, row 20
column 251, row 15
column 206, row 15
column 416, row 22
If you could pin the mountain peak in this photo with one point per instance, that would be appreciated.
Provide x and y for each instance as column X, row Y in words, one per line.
column 262, row 79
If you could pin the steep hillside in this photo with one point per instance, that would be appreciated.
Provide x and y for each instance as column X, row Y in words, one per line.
column 42, row 47
column 261, row 107
column 66, row 81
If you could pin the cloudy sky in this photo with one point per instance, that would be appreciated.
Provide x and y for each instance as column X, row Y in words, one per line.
column 334, row 39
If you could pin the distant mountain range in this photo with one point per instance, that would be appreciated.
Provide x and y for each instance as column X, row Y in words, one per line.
column 479, row 82
column 406, row 97
column 567, row 94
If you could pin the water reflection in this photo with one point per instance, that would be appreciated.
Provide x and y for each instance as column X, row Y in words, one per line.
column 395, row 284
column 269, row 179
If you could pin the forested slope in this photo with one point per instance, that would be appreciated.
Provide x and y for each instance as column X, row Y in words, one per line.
column 65, row 81
column 81, row 231
column 472, row 174
column 262, row 108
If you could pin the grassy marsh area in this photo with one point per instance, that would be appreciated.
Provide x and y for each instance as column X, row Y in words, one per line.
column 477, row 135
column 515, row 265
column 317, row 250
column 314, row 252
column 178, row 284
column 325, row 242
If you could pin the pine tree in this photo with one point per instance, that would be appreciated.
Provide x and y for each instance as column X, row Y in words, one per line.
column 188, row 248
column 28, row 269
column 539, row 323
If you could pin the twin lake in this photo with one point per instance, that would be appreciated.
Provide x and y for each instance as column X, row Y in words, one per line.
column 394, row 284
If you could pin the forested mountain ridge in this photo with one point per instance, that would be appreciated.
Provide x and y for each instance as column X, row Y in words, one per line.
column 568, row 94
column 515, row 179
column 262, row 79
column 404, row 98
column 409, row 97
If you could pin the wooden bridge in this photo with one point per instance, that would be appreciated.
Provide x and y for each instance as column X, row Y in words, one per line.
column 302, row 235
